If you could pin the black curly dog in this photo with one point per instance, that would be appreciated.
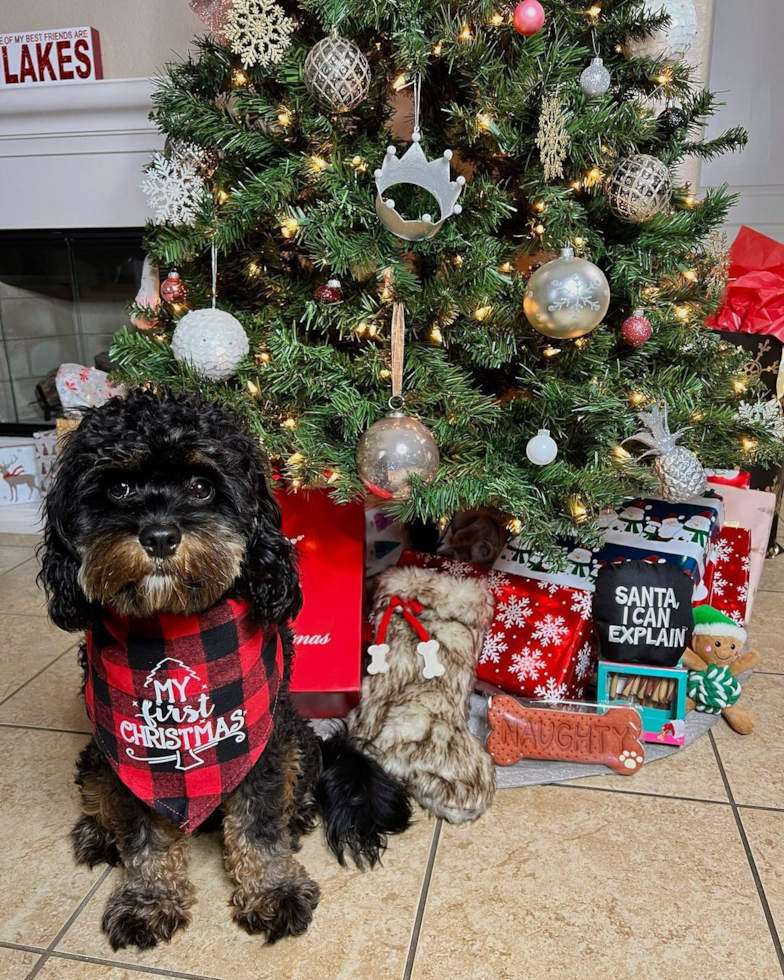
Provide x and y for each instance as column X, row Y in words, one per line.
column 148, row 465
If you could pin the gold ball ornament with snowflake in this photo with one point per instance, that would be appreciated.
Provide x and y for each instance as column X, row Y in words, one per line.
column 258, row 31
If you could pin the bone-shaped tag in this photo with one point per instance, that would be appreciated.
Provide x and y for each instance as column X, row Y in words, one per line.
column 428, row 649
column 378, row 663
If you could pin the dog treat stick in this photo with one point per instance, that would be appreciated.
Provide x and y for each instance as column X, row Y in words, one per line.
column 614, row 680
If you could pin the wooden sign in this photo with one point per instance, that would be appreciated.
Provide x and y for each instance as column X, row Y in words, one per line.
column 609, row 739
column 63, row 54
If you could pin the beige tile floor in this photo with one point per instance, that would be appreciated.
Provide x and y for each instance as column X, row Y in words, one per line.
column 676, row 873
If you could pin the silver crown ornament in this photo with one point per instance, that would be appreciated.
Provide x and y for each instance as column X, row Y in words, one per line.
column 432, row 175
column 414, row 168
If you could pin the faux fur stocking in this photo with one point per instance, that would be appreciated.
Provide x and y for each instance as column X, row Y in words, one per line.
column 417, row 724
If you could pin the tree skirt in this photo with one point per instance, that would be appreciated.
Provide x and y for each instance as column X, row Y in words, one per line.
column 535, row 772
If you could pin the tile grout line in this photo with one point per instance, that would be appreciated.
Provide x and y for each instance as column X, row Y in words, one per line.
column 420, row 913
column 565, row 784
column 118, row 965
column 13, row 567
column 749, row 857
column 67, row 924
column 41, row 671
column 43, row 728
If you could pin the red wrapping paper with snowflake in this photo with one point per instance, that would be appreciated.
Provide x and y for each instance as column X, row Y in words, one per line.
column 727, row 574
column 541, row 643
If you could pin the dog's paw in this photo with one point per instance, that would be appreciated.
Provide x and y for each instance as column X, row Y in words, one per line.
column 285, row 910
column 137, row 917
column 92, row 844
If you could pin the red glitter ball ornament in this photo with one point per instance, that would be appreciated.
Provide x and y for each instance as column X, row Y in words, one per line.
column 329, row 292
column 528, row 17
column 636, row 329
column 173, row 289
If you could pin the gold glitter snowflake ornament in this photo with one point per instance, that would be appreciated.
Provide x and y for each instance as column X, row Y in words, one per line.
column 258, row 31
column 552, row 139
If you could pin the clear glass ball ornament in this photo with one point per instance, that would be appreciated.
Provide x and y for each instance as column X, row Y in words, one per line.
column 567, row 297
column 542, row 448
column 393, row 451
column 595, row 80
column 212, row 342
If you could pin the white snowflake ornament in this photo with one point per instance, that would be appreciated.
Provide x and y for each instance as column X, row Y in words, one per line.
column 258, row 31
column 175, row 190
column 211, row 341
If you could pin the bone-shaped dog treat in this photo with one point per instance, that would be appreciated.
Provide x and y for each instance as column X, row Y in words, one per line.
column 611, row 739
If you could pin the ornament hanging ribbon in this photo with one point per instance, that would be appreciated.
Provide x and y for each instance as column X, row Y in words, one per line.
column 397, row 343
column 427, row 648
column 212, row 13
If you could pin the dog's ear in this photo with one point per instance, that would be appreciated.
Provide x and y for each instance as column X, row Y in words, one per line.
column 270, row 566
column 68, row 607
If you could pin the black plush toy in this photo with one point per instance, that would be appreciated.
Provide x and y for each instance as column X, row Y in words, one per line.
column 643, row 613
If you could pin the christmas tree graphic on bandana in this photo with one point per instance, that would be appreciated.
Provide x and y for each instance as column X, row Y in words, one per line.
column 178, row 718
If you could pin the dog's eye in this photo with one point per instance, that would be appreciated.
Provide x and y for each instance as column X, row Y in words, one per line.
column 201, row 489
column 119, row 490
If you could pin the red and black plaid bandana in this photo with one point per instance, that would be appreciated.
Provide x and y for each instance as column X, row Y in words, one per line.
column 182, row 706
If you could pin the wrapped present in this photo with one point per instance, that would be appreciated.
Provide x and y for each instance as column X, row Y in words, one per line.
column 729, row 478
column 754, row 510
column 640, row 530
column 541, row 643
column 329, row 539
column 81, row 387
column 727, row 574
column 19, row 481
column 46, row 449
column 386, row 538
column 684, row 529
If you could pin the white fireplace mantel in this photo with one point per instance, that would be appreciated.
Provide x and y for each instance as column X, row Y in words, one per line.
column 72, row 155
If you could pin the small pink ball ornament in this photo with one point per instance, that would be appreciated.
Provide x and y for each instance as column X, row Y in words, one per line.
column 636, row 329
column 529, row 17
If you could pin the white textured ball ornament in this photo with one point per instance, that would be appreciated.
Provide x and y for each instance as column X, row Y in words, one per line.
column 211, row 341
column 567, row 298
column 392, row 451
column 542, row 449
column 595, row 80
column 670, row 42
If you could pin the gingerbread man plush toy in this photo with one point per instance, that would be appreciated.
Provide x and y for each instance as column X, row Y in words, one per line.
column 714, row 663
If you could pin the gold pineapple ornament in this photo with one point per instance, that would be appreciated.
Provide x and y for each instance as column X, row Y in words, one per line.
column 678, row 470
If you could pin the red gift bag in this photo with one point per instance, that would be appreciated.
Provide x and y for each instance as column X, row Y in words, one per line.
column 329, row 539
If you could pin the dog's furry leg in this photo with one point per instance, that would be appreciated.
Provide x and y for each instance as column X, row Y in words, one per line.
column 154, row 897
column 274, row 896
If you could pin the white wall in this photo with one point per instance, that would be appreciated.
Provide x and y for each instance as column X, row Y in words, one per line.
column 747, row 68
column 137, row 36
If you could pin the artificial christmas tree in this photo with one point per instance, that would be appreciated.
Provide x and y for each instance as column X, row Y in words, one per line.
column 292, row 203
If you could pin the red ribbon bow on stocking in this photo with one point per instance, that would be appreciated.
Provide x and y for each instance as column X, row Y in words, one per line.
column 426, row 648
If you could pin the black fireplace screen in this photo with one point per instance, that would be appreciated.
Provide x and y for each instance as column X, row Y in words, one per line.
column 62, row 296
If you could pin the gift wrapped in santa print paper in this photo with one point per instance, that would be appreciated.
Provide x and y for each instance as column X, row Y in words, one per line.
column 541, row 643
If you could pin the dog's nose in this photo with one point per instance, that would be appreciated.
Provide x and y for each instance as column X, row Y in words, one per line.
column 160, row 540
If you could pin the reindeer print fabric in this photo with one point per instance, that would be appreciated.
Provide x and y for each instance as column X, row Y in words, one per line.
column 18, row 474
column 183, row 706
column 643, row 613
